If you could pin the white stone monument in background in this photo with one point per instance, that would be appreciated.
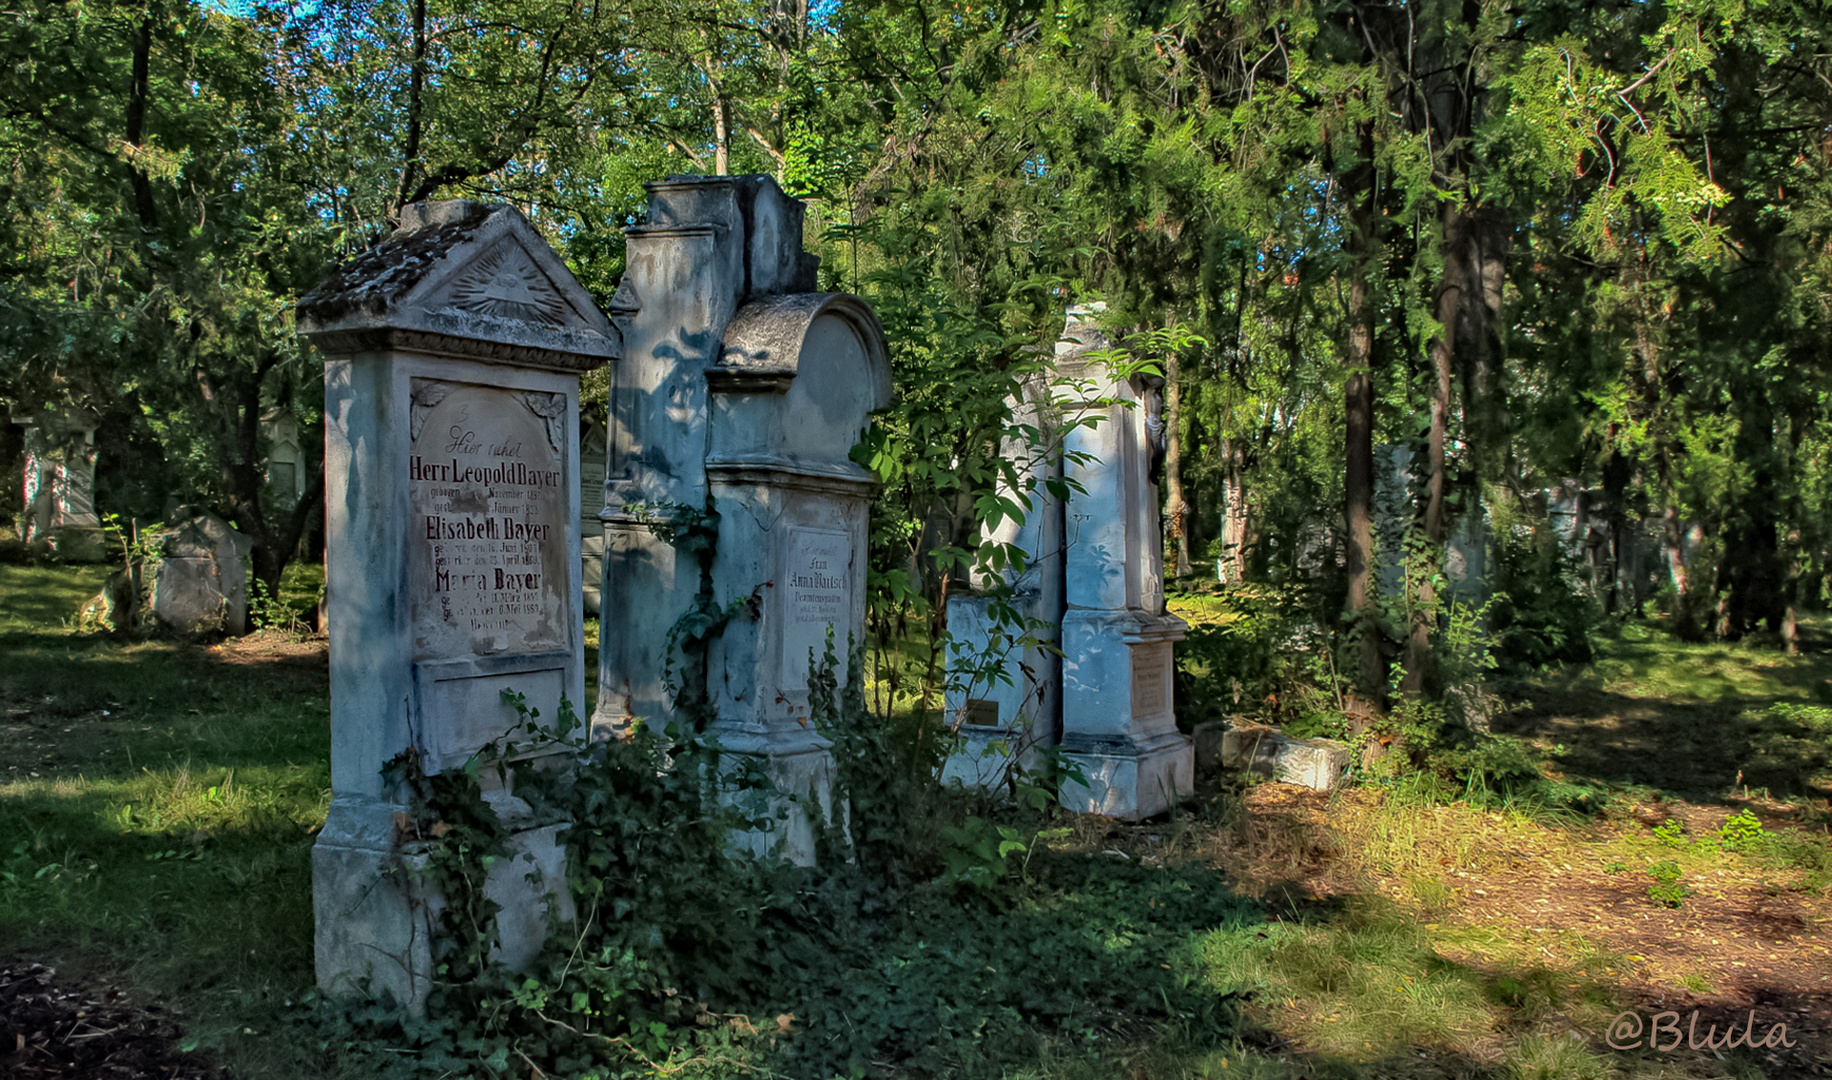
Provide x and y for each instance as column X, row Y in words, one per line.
column 1114, row 684
column 741, row 394
column 453, row 355
column 1002, row 719
column 58, row 485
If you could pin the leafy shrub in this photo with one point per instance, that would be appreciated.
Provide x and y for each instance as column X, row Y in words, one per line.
column 1540, row 613
column 1250, row 648
column 1742, row 831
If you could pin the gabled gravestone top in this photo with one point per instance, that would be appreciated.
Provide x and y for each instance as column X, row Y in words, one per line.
column 452, row 558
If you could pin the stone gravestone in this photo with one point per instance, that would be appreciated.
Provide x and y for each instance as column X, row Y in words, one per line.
column 201, row 586
column 1000, row 722
column 453, row 354
column 1113, row 680
column 591, row 505
column 741, row 395
column 59, row 484
column 1118, row 722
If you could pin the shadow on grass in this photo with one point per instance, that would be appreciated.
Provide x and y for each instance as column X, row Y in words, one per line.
column 1687, row 719
column 1693, row 750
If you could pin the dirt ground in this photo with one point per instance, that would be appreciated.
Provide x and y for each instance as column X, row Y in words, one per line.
column 1746, row 938
column 50, row 1030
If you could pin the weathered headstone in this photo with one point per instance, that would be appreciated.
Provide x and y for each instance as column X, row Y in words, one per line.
column 202, row 582
column 741, row 395
column 287, row 463
column 454, row 350
column 1001, row 722
column 1098, row 565
column 1319, row 764
column 1119, row 726
column 58, row 484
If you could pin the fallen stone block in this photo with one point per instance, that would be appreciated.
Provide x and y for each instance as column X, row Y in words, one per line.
column 1318, row 764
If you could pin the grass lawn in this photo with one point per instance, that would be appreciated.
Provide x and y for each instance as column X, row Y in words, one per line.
column 158, row 803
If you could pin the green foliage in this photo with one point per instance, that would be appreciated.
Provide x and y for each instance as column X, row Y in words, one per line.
column 1742, row 831
column 1539, row 614
column 1666, row 890
column 1249, row 648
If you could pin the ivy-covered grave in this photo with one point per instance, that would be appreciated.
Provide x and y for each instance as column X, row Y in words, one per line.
column 937, row 934
column 454, row 350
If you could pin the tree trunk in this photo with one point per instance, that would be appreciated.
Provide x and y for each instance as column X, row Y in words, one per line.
column 136, row 120
column 1451, row 300
column 1176, row 508
column 1234, row 513
column 1358, row 441
column 416, row 88
column 1790, row 595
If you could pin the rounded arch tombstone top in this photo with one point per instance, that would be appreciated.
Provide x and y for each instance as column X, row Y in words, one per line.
column 818, row 365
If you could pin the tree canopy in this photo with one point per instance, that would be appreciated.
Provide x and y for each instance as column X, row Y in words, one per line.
column 1538, row 243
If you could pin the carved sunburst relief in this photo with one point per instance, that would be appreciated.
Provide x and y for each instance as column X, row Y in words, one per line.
column 504, row 284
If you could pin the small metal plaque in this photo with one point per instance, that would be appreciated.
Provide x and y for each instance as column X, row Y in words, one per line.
column 982, row 713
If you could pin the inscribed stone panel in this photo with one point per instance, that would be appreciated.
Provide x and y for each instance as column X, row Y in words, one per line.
column 487, row 568
column 1150, row 679
column 817, row 573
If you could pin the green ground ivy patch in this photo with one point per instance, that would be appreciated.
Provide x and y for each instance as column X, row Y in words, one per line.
column 689, row 958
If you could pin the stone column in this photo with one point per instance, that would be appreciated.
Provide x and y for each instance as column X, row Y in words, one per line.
column 453, row 354
column 1118, row 722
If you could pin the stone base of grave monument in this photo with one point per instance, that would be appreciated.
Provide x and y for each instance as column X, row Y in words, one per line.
column 798, row 801
column 1127, row 778
column 73, row 544
column 377, row 909
column 1119, row 725
column 986, row 758
column 1318, row 764
column 1000, row 723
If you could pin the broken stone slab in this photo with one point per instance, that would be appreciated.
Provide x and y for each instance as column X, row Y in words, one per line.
column 202, row 582
column 1318, row 764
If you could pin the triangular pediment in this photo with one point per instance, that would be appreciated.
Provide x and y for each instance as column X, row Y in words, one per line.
column 505, row 282
column 462, row 279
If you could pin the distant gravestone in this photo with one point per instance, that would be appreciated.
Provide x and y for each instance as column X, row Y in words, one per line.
column 58, row 484
column 742, row 392
column 454, row 350
column 201, row 586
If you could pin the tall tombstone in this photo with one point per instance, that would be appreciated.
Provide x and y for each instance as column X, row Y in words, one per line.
column 741, row 395
column 1001, row 719
column 591, row 505
column 1118, row 723
column 453, row 355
